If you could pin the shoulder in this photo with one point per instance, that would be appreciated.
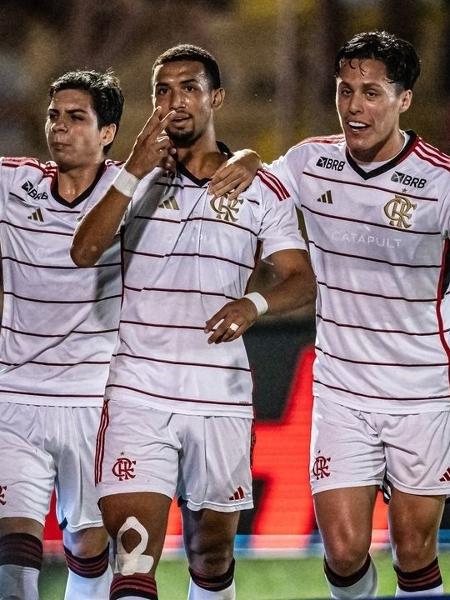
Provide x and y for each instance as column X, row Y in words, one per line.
column 28, row 163
column 271, row 184
column 318, row 146
column 430, row 156
column 318, row 141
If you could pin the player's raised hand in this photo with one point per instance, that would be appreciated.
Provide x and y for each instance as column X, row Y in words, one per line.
column 231, row 321
column 235, row 175
column 152, row 147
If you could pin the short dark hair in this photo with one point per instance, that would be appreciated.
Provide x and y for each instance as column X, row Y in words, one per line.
column 192, row 53
column 104, row 89
column 398, row 55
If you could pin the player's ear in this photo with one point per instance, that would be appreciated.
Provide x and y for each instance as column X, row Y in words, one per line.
column 108, row 133
column 406, row 100
column 218, row 97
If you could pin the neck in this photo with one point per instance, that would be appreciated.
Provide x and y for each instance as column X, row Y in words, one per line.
column 72, row 182
column 203, row 157
column 384, row 151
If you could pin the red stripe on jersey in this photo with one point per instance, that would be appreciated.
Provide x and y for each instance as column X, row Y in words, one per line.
column 380, row 364
column 353, row 393
column 100, row 444
column 328, row 139
column 435, row 163
column 433, row 151
column 47, row 168
column 444, row 267
column 273, row 183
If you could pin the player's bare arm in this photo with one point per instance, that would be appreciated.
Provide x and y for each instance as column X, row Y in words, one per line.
column 295, row 289
column 236, row 174
column 96, row 231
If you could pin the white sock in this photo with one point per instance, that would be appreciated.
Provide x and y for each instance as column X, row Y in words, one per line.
column 88, row 588
column 366, row 587
column 18, row 582
column 198, row 593
column 437, row 591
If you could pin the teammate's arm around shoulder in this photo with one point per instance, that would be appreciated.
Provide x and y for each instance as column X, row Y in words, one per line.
column 97, row 230
column 236, row 174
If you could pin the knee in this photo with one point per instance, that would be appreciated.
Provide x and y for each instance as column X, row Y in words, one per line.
column 87, row 543
column 210, row 558
column 413, row 549
column 346, row 554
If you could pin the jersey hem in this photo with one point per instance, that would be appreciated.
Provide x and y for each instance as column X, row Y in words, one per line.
column 67, row 401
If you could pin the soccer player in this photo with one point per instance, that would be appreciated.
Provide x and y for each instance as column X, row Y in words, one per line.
column 178, row 410
column 59, row 327
column 376, row 203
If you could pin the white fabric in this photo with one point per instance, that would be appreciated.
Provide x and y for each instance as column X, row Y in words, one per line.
column 198, row 593
column 437, row 591
column 18, row 582
column 88, row 588
column 49, row 446
column 366, row 587
column 352, row 448
column 185, row 255
column 59, row 322
column 378, row 245
column 205, row 460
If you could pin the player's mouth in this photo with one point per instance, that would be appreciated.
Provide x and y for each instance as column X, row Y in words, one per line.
column 357, row 126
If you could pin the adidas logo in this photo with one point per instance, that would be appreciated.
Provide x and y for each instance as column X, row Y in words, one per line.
column 326, row 198
column 170, row 203
column 445, row 476
column 238, row 494
column 36, row 216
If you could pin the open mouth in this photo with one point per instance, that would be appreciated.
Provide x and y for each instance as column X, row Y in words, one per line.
column 357, row 126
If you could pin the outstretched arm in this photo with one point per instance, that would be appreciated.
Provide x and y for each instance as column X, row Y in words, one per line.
column 235, row 175
column 296, row 288
column 96, row 231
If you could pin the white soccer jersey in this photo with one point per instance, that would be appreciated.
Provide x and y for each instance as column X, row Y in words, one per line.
column 379, row 247
column 59, row 322
column 185, row 256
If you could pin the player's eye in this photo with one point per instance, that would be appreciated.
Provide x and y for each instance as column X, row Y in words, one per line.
column 161, row 91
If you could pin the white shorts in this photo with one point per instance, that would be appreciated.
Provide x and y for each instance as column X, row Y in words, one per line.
column 205, row 461
column 44, row 448
column 352, row 448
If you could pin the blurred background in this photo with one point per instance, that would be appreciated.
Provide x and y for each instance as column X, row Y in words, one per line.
column 276, row 58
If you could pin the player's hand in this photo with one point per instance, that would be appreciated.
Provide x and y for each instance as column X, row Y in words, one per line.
column 152, row 147
column 235, row 175
column 231, row 321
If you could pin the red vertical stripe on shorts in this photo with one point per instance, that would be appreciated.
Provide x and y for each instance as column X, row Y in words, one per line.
column 100, row 445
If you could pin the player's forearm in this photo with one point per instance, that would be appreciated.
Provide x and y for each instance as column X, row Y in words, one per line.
column 97, row 230
column 296, row 291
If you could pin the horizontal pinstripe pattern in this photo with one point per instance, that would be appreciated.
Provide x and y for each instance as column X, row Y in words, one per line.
column 379, row 249
column 60, row 322
column 185, row 255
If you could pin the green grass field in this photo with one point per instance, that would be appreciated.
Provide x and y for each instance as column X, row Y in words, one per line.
column 256, row 579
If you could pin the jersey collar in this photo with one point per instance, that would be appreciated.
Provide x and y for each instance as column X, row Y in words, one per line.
column 201, row 182
column 388, row 165
column 87, row 192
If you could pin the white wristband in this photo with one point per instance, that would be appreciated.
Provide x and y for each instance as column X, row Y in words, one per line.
column 259, row 301
column 126, row 183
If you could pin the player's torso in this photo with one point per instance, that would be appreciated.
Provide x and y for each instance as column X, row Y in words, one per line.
column 378, row 251
column 185, row 255
column 59, row 322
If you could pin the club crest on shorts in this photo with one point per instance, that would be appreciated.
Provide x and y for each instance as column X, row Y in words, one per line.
column 123, row 468
column 3, row 489
column 321, row 467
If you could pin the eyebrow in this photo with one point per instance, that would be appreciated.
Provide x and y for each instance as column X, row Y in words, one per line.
column 184, row 81
column 70, row 110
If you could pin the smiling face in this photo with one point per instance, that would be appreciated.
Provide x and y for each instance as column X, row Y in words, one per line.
column 73, row 136
column 184, row 87
column 369, row 108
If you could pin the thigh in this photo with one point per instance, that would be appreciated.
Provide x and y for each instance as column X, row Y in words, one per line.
column 417, row 449
column 346, row 450
column 137, row 522
column 137, row 450
column 344, row 518
column 215, row 471
column 76, row 506
column 28, row 470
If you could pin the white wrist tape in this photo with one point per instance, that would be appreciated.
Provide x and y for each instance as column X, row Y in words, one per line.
column 126, row 183
column 259, row 301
